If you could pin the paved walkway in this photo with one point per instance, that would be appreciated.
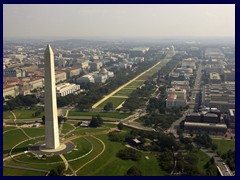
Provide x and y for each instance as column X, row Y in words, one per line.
column 65, row 161
column 26, row 168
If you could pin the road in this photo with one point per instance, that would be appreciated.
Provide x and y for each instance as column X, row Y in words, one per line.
column 194, row 99
column 222, row 167
column 192, row 104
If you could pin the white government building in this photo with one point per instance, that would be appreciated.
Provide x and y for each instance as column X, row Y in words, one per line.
column 66, row 88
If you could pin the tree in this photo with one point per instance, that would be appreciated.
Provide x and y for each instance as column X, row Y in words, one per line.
column 120, row 126
column 108, row 106
column 61, row 119
column 100, row 120
column 58, row 171
column 96, row 121
column 214, row 147
column 129, row 153
column 43, row 119
column 134, row 171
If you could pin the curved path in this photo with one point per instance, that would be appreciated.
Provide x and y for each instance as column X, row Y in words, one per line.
column 65, row 161
column 19, row 127
column 104, row 147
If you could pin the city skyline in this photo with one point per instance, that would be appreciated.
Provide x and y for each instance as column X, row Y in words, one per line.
column 118, row 21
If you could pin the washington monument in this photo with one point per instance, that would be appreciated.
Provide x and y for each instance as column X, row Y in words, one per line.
column 51, row 119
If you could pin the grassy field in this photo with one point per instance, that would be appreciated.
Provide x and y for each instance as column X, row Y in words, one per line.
column 224, row 145
column 81, row 131
column 116, row 102
column 21, row 114
column 154, row 70
column 8, row 128
column 135, row 84
column 96, row 150
column 202, row 160
column 103, row 166
column 83, row 146
column 33, row 132
column 12, row 138
column 67, row 127
column 23, row 146
column 7, row 115
column 37, row 163
column 124, row 92
column 21, row 172
column 111, row 125
column 102, row 114
column 100, row 166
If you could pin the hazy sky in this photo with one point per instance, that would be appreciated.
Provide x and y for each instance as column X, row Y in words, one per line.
column 36, row 21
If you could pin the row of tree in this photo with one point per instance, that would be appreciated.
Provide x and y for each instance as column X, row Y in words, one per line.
column 20, row 101
column 139, row 96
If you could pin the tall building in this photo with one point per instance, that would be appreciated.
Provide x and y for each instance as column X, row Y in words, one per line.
column 51, row 119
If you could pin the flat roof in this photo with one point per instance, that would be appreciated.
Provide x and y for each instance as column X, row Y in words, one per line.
column 205, row 124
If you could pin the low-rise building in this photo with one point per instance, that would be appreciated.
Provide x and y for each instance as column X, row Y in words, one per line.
column 95, row 66
column 60, row 76
column 229, row 75
column 193, row 117
column 221, row 96
column 100, row 78
column 85, row 79
column 181, row 85
column 73, row 72
column 66, row 88
column 173, row 101
column 231, row 118
column 209, row 128
column 215, row 78
column 14, row 72
column 211, row 118
column 181, row 93
column 10, row 90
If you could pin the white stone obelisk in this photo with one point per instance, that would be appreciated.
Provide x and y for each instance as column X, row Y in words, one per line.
column 51, row 118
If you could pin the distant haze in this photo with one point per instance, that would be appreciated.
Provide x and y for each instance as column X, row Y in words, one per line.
column 116, row 21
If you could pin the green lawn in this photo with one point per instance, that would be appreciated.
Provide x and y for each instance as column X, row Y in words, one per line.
column 102, row 114
column 154, row 70
column 67, row 127
column 21, row 114
column 11, row 138
column 135, row 84
column 103, row 165
column 224, row 145
column 33, row 132
column 111, row 125
column 36, row 163
column 89, row 130
column 202, row 160
column 7, row 115
column 124, row 92
column 8, row 128
column 116, row 102
column 96, row 150
column 21, row 172
column 83, row 147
